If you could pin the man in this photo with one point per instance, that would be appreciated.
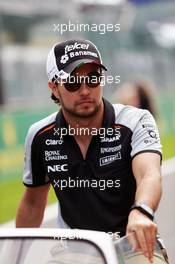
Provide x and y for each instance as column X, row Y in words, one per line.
column 104, row 181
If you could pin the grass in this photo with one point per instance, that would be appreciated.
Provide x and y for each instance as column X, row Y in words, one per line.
column 11, row 190
column 10, row 195
column 168, row 143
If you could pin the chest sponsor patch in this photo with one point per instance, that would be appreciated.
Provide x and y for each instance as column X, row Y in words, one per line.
column 111, row 139
column 54, row 155
column 109, row 159
column 111, row 149
column 57, row 168
column 50, row 142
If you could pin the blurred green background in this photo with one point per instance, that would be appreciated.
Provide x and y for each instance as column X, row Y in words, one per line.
column 144, row 49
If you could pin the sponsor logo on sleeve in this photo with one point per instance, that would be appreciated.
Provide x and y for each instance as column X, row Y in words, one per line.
column 151, row 141
column 147, row 122
column 152, row 134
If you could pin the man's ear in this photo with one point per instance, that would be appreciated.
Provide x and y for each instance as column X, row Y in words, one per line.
column 51, row 85
column 54, row 88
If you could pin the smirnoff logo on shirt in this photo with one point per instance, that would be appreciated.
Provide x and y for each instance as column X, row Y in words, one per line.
column 108, row 159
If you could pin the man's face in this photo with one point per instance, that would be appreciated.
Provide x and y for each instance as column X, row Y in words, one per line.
column 84, row 102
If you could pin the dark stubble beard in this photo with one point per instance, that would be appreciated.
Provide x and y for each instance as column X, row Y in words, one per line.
column 80, row 115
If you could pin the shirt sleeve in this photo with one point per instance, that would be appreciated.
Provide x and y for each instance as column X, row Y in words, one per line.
column 34, row 173
column 145, row 137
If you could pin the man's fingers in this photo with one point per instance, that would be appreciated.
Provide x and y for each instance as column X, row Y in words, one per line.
column 147, row 237
column 142, row 241
column 145, row 231
column 132, row 239
column 150, row 236
column 140, row 238
column 149, row 241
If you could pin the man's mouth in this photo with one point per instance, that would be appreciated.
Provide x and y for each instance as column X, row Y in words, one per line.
column 87, row 101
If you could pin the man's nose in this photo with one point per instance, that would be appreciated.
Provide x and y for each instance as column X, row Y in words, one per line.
column 84, row 89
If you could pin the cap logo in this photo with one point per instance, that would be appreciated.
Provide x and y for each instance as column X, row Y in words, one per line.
column 76, row 46
column 68, row 48
column 64, row 58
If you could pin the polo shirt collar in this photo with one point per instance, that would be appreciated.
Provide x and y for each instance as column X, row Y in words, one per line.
column 109, row 115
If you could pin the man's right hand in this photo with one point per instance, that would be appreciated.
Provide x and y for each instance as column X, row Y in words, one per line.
column 145, row 231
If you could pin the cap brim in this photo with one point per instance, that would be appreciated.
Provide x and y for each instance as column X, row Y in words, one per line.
column 75, row 64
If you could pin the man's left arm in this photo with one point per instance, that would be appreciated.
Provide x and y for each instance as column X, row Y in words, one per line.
column 146, row 169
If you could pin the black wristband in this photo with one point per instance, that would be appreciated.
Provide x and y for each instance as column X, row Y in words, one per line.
column 144, row 209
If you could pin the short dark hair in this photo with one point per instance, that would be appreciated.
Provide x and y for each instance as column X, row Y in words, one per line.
column 53, row 97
